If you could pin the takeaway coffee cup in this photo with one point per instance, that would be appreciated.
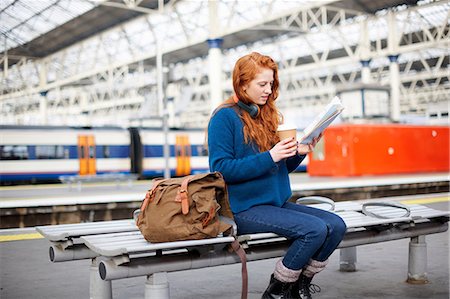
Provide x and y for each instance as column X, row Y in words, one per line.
column 287, row 131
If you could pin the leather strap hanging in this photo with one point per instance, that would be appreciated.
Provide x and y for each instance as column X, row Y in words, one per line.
column 236, row 246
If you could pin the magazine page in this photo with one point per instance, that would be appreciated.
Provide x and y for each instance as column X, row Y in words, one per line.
column 322, row 121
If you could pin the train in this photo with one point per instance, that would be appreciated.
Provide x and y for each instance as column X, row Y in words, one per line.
column 38, row 154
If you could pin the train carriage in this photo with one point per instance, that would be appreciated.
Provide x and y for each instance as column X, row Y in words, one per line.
column 32, row 154
column 186, row 147
column 42, row 154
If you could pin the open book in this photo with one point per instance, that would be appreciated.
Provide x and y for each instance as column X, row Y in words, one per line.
column 322, row 121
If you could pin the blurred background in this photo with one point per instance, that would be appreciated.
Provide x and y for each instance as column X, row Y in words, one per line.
column 93, row 87
column 98, row 97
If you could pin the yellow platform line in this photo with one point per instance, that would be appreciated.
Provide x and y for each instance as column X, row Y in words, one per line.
column 421, row 201
column 19, row 237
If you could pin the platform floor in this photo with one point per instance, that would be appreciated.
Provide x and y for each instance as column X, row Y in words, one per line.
column 26, row 272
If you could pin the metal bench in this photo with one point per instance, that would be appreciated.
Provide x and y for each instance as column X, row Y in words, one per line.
column 66, row 244
column 125, row 253
column 78, row 180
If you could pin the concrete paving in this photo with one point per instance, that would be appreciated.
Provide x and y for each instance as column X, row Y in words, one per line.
column 26, row 272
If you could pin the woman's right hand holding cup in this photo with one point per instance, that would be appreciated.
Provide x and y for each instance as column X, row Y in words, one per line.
column 284, row 149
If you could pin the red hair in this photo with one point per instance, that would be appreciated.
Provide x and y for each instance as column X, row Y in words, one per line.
column 262, row 130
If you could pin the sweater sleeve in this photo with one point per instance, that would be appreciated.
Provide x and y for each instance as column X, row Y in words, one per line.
column 293, row 162
column 223, row 154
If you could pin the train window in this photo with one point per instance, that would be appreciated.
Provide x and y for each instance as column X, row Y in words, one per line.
column 49, row 152
column 91, row 152
column 81, row 152
column 106, row 151
column 60, row 152
column 66, row 153
column 202, row 150
column 14, row 152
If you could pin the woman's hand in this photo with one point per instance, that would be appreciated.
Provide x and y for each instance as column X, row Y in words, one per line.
column 303, row 149
column 284, row 149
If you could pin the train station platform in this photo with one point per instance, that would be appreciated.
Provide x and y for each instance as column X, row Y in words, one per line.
column 26, row 271
column 59, row 194
column 25, row 206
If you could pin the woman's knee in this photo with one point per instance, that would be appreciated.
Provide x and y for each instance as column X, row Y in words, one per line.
column 338, row 225
column 318, row 231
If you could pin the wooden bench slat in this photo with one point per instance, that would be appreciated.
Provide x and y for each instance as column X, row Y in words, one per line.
column 416, row 211
column 85, row 225
column 355, row 219
column 426, row 212
column 338, row 206
column 143, row 245
column 63, row 232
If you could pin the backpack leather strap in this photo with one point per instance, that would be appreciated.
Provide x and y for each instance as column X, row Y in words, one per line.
column 150, row 194
column 241, row 253
column 182, row 195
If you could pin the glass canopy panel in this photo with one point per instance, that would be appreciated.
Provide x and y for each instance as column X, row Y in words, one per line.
column 188, row 24
column 25, row 20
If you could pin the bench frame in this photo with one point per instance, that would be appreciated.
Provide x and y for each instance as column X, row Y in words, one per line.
column 183, row 255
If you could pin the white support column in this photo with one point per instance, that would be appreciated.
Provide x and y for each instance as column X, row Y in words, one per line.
column 98, row 288
column 215, row 72
column 394, row 74
column 214, row 56
column 417, row 261
column 364, row 45
column 347, row 262
column 43, row 107
column 43, row 99
column 365, row 71
column 159, row 74
column 157, row 286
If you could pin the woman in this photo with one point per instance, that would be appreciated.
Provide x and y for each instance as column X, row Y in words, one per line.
column 244, row 146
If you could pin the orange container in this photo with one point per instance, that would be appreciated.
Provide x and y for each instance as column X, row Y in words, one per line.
column 352, row 150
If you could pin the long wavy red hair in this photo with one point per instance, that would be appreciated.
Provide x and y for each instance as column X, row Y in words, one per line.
column 262, row 130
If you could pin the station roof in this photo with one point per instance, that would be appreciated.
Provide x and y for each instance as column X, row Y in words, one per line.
column 36, row 29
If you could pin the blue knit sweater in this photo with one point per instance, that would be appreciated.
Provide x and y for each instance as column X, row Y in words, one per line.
column 252, row 177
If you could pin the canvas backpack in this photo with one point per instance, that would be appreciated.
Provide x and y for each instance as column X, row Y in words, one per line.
column 188, row 208
column 185, row 208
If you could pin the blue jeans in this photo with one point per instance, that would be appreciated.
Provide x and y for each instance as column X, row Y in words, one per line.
column 315, row 233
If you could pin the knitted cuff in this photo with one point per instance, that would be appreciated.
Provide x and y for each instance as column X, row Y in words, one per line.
column 284, row 274
column 314, row 267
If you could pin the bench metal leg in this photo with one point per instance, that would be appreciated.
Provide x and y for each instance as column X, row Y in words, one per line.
column 99, row 288
column 157, row 286
column 347, row 261
column 417, row 261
